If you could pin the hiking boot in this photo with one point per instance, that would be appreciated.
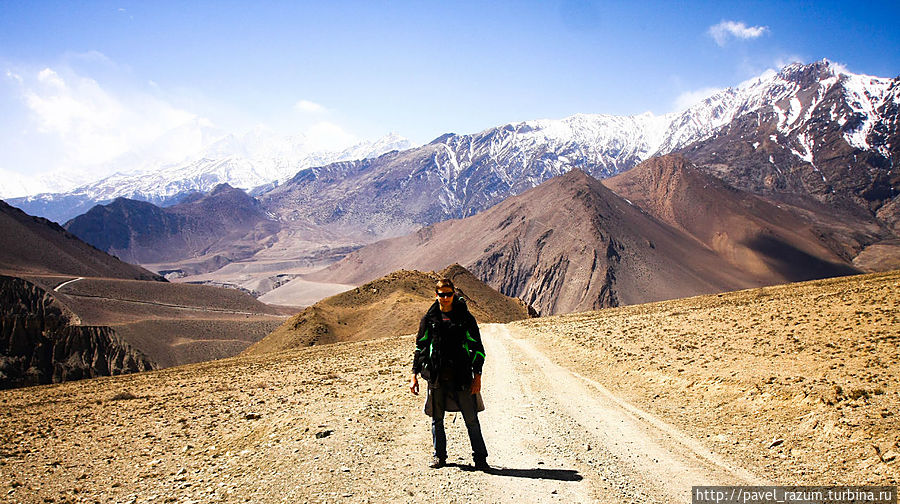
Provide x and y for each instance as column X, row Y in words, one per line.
column 482, row 465
column 437, row 463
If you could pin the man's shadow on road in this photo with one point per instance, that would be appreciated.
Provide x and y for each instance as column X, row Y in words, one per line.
column 538, row 473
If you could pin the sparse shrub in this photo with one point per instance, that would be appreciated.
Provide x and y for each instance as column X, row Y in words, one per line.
column 123, row 396
column 857, row 393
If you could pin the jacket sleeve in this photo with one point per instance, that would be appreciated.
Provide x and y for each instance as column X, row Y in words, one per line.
column 422, row 340
column 475, row 347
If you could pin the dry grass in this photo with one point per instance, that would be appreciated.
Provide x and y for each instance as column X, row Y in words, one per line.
column 813, row 364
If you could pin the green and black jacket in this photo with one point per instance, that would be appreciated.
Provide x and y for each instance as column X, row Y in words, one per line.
column 449, row 348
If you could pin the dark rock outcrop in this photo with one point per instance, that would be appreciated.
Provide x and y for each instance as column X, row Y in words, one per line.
column 40, row 345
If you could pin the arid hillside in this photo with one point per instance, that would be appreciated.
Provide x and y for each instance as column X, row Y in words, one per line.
column 171, row 324
column 393, row 304
column 71, row 311
column 794, row 384
column 800, row 380
column 32, row 245
column 59, row 328
column 770, row 240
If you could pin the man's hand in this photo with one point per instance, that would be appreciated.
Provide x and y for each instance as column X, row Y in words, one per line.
column 476, row 384
column 414, row 385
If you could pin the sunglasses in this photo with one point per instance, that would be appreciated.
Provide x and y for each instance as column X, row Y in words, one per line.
column 445, row 294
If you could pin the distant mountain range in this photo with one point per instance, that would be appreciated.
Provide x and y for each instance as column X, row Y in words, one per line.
column 812, row 130
column 817, row 143
column 256, row 160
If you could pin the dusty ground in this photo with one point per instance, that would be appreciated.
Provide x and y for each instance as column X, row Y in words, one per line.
column 629, row 405
column 800, row 380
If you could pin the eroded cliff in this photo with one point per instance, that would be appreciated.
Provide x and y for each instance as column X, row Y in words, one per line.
column 39, row 343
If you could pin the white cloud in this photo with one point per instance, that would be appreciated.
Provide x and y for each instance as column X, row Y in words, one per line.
column 737, row 29
column 329, row 136
column 689, row 98
column 76, row 126
column 14, row 76
column 93, row 124
column 309, row 107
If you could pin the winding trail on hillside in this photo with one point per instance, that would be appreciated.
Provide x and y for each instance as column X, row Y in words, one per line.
column 60, row 286
column 554, row 435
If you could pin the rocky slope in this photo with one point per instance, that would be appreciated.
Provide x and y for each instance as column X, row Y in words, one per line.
column 41, row 343
column 811, row 130
column 761, row 236
column 393, row 304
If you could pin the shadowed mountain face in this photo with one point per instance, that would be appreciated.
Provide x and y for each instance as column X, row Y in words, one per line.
column 393, row 304
column 749, row 231
column 32, row 245
column 568, row 245
column 226, row 220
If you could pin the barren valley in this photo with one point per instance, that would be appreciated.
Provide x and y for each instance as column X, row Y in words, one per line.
column 794, row 384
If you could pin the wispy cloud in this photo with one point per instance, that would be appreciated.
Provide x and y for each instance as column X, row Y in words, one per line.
column 329, row 136
column 736, row 29
column 309, row 107
column 689, row 98
column 75, row 125
column 93, row 124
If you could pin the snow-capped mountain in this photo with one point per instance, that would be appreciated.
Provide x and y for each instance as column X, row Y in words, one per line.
column 809, row 106
column 257, row 158
column 812, row 129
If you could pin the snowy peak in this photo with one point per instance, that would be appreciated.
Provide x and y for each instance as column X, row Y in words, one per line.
column 256, row 158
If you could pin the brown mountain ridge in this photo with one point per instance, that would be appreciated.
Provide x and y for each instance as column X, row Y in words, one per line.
column 747, row 230
column 390, row 305
column 35, row 245
column 572, row 244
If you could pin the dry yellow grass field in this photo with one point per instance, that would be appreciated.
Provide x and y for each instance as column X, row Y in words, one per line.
column 800, row 380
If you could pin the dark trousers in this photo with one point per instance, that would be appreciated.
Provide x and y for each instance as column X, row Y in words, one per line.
column 466, row 401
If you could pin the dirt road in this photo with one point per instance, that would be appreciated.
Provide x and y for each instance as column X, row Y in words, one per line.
column 556, row 436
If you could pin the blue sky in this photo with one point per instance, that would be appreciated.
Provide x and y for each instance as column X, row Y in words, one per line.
column 84, row 83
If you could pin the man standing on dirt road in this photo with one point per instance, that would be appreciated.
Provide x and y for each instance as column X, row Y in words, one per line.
column 450, row 356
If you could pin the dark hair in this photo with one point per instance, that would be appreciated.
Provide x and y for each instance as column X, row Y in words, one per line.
column 444, row 282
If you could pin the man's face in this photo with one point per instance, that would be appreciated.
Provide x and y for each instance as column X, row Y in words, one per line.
column 445, row 298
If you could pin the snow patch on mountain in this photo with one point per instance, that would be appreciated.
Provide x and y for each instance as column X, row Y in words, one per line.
column 257, row 158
